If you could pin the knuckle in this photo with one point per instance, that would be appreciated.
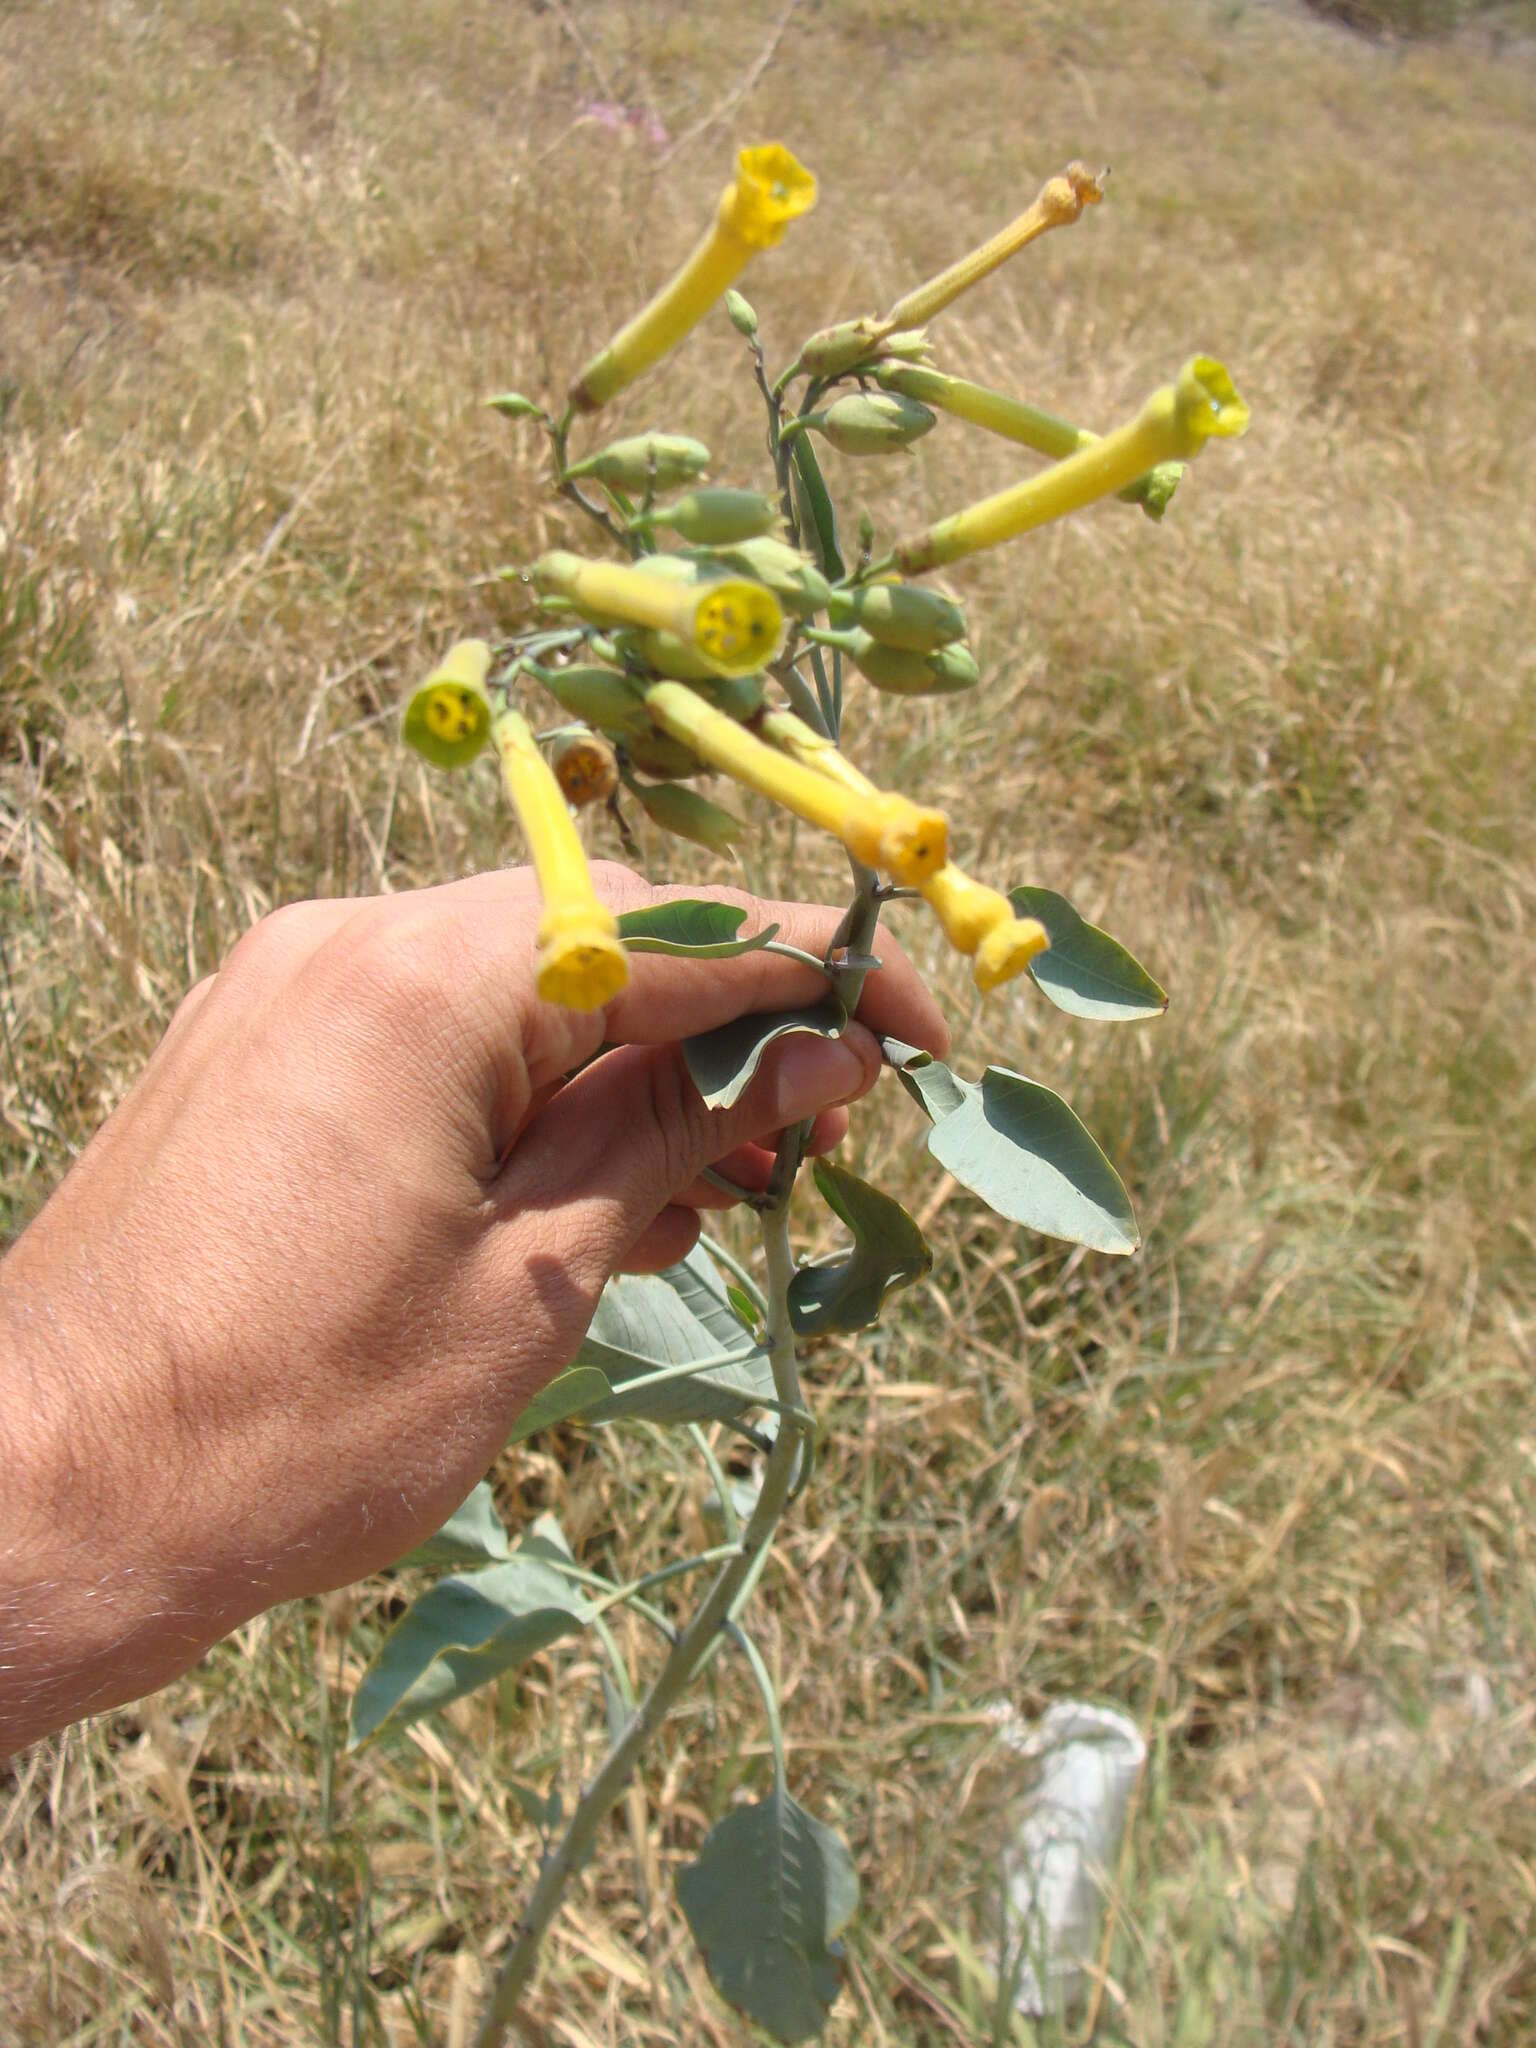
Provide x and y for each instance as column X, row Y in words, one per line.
column 271, row 941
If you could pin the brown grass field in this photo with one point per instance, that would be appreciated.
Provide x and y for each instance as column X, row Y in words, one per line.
column 1268, row 1486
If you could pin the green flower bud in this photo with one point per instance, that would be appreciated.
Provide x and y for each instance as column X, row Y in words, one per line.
column 903, row 672
column 448, row 717
column 661, row 461
column 900, row 615
column 793, row 577
column 657, row 753
column 1154, row 491
column 665, row 654
column 910, row 347
column 743, row 319
column 873, row 422
column 513, row 406
column 717, row 517
column 689, row 815
column 740, row 697
column 836, row 349
column 673, row 568
column 599, row 697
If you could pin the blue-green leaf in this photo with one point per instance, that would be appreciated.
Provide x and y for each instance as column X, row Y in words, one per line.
column 1086, row 972
column 722, row 1062
column 1024, row 1151
column 646, row 1323
column 472, row 1534
column 570, row 1394
column 889, row 1251
column 694, row 929
column 766, row 1900
column 463, row 1632
column 931, row 1085
column 814, row 502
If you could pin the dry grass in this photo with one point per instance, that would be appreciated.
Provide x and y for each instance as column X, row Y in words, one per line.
column 1270, row 1486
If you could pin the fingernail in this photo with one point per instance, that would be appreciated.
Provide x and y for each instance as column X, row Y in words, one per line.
column 810, row 1073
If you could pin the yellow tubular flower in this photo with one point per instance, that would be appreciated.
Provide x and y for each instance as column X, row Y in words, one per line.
column 1007, row 950
column 581, row 964
column 980, row 921
column 1008, row 417
column 1013, row 420
column 967, row 909
column 448, row 717
column 770, row 190
column 1172, row 426
column 1058, row 203
column 881, row 829
column 813, row 749
column 735, row 625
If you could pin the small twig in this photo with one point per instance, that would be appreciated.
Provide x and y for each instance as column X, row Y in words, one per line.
column 724, row 108
column 562, row 15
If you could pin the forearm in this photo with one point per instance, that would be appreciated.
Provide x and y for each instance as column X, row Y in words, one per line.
column 99, row 1601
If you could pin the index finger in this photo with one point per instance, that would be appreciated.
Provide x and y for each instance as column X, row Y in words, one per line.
column 485, row 928
column 670, row 997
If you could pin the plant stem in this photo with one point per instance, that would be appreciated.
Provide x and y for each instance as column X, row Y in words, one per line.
column 559, row 434
column 701, row 1633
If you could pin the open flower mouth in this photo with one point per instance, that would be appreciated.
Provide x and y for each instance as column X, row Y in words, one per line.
column 738, row 627
column 771, row 189
column 456, row 714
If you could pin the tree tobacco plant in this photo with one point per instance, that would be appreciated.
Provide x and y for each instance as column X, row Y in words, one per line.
column 713, row 632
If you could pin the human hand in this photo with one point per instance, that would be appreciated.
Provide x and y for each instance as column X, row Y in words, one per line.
column 283, row 1312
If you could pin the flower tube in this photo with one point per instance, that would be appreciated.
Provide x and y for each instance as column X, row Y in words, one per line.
column 879, row 828
column 735, row 625
column 581, row 963
column 1172, row 426
column 812, row 749
column 1028, row 425
column 1058, row 204
column 770, row 190
column 981, row 922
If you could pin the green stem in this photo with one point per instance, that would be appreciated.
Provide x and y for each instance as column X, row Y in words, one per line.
column 716, row 1179
column 721, row 1484
column 559, row 434
column 699, row 1636
column 803, row 700
column 754, row 1657
column 724, row 1256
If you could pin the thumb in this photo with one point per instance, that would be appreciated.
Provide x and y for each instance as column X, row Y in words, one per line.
column 616, row 1145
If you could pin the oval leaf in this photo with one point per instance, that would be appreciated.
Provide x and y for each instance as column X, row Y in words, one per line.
column 889, row 1251
column 568, row 1394
column 461, row 1633
column 722, row 1062
column 1086, row 972
column 696, row 929
column 472, row 1534
column 770, row 1892
column 1024, row 1151
column 647, row 1323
